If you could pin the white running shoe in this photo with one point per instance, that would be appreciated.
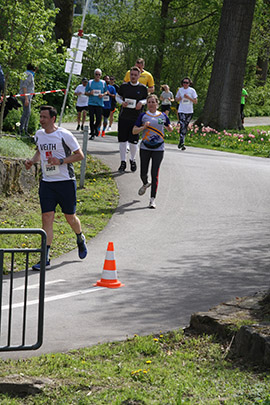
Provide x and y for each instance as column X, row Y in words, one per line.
column 152, row 203
column 110, row 128
column 143, row 188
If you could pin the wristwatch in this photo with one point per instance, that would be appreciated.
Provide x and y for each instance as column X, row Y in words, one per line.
column 61, row 161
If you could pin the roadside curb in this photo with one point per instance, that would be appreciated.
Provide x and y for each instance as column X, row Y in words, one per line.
column 242, row 321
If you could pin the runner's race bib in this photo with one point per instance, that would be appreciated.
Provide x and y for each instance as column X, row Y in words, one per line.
column 50, row 170
column 131, row 103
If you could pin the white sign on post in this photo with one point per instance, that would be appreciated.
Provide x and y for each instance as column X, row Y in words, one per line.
column 72, row 54
column 82, row 43
column 77, row 68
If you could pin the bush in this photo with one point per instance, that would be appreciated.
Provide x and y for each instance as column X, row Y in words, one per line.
column 12, row 121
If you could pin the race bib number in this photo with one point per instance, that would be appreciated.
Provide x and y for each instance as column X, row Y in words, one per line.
column 96, row 92
column 185, row 101
column 106, row 98
column 50, row 170
column 131, row 102
column 161, row 121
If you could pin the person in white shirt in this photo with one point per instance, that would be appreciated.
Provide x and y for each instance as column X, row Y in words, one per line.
column 57, row 150
column 82, row 103
column 186, row 97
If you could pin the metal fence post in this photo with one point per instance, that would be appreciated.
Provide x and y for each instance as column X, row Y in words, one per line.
column 84, row 149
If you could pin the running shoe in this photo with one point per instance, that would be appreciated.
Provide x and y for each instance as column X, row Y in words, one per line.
column 181, row 145
column 110, row 128
column 143, row 188
column 133, row 166
column 78, row 127
column 82, row 249
column 37, row 266
column 152, row 203
column 122, row 167
column 103, row 133
column 81, row 127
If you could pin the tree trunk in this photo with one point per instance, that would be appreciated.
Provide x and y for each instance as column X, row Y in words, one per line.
column 222, row 105
column 161, row 42
column 64, row 21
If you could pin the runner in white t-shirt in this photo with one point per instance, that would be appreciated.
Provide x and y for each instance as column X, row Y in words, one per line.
column 82, row 102
column 186, row 97
column 57, row 150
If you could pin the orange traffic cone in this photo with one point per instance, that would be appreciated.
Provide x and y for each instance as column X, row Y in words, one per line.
column 109, row 274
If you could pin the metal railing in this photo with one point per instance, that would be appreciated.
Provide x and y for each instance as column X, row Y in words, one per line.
column 27, row 336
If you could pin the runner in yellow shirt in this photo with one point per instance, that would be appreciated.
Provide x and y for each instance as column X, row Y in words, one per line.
column 145, row 78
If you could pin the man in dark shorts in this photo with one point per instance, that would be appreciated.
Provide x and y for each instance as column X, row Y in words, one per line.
column 57, row 150
column 113, row 101
column 132, row 97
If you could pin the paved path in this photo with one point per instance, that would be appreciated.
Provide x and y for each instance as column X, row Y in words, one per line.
column 207, row 242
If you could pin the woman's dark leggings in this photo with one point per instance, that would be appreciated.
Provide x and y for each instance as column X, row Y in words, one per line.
column 156, row 156
column 184, row 120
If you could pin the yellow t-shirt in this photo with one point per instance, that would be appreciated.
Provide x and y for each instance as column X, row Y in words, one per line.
column 145, row 78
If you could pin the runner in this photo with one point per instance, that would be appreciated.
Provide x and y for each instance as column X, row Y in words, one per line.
column 57, row 149
column 113, row 101
column 151, row 124
column 82, row 103
column 107, row 99
column 186, row 96
column 95, row 89
column 132, row 97
column 145, row 77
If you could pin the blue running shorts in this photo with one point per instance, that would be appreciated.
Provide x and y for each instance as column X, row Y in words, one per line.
column 58, row 192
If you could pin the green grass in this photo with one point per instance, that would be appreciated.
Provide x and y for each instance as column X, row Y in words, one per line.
column 169, row 368
column 15, row 147
column 95, row 205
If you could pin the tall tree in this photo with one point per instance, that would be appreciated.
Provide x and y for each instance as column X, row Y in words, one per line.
column 64, row 21
column 26, row 28
column 222, row 106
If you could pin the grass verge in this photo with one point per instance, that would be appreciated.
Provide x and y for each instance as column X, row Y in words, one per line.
column 169, row 368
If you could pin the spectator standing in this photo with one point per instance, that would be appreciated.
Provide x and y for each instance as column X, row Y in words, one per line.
column 166, row 98
column 82, row 103
column 186, row 96
column 244, row 96
column 27, row 85
column 57, row 149
column 151, row 123
column 132, row 97
column 113, row 101
column 95, row 89
column 145, row 77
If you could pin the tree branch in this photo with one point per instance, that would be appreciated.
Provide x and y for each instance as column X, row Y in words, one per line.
column 194, row 22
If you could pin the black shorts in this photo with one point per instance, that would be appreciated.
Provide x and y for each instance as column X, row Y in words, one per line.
column 113, row 105
column 80, row 109
column 58, row 192
column 165, row 107
column 125, row 131
column 106, row 112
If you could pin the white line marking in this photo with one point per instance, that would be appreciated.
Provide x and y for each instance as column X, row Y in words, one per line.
column 29, row 287
column 55, row 297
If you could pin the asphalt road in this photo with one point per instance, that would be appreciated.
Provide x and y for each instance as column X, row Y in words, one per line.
column 207, row 242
